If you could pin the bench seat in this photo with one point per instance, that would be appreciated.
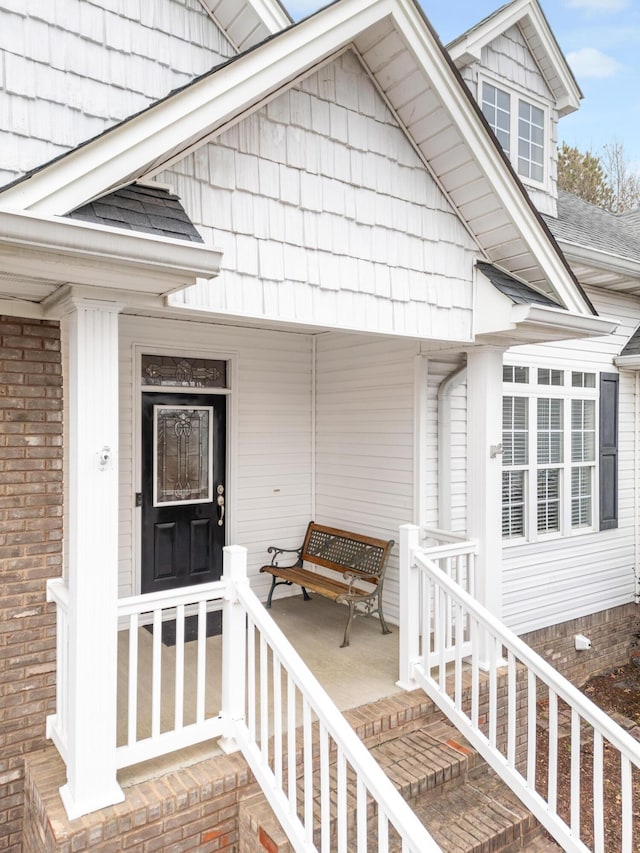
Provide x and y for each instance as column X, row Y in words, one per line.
column 359, row 560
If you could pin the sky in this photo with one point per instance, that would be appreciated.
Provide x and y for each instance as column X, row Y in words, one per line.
column 601, row 41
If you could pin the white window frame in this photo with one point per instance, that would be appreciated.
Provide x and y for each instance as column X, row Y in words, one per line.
column 533, row 391
column 516, row 95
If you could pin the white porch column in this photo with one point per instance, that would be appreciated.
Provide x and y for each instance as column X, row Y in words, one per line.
column 484, row 472
column 90, row 343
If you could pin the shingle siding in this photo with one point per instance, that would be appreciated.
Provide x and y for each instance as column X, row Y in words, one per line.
column 327, row 215
column 73, row 69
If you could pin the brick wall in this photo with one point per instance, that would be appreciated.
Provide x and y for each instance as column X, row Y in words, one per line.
column 30, row 549
column 612, row 633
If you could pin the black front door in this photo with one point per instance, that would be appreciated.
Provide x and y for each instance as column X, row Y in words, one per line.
column 183, row 489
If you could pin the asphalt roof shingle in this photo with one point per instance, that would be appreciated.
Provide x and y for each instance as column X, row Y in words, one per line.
column 152, row 210
column 519, row 292
column 587, row 225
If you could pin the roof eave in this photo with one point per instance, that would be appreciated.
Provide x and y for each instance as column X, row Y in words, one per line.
column 64, row 250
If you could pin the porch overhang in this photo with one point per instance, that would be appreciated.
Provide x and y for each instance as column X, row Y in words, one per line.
column 533, row 324
column 41, row 254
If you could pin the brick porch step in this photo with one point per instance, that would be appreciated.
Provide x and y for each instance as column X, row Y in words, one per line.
column 464, row 806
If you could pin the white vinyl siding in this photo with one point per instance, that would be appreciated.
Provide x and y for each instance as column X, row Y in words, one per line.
column 269, row 497
column 365, row 440
column 559, row 578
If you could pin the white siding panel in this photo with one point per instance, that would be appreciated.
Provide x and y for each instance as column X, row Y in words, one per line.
column 365, row 440
column 328, row 216
column 270, row 424
column 567, row 578
column 72, row 70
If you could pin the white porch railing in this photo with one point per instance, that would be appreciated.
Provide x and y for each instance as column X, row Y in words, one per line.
column 324, row 787
column 513, row 710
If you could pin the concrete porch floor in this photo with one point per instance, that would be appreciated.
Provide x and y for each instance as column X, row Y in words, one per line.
column 362, row 673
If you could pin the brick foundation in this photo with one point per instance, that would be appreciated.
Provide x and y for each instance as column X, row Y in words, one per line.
column 191, row 809
column 611, row 633
column 30, row 549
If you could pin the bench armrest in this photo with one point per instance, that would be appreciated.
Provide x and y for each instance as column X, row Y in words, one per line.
column 276, row 552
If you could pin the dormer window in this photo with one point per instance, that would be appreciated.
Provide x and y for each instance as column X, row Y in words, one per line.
column 519, row 126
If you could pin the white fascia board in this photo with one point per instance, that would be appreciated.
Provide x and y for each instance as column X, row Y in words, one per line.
column 557, row 320
column 469, row 47
column 67, row 250
column 506, row 186
column 193, row 113
column 600, row 259
column 272, row 14
column 627, row 362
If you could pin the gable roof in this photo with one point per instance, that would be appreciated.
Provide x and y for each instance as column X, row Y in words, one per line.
column 153, row 210
column 529, row 17
column 420, row 84
column 248, row 22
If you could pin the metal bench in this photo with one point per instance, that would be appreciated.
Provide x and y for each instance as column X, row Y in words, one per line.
column 361, row 561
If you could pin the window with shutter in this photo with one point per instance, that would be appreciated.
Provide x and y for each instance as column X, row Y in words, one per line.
column 608, row 450
column 550, row 435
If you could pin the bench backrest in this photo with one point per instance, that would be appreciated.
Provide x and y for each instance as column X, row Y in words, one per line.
column 343, row 551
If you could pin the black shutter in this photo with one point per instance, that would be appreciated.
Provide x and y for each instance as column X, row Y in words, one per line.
column 608, row 450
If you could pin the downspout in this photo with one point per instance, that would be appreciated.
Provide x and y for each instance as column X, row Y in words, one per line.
column 447, row 386
column 313, row 426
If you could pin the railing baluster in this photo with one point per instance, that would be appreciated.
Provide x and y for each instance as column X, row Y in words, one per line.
column 202, row 658
column 475, row 676
column 458, row 660
column 264, row 698
column 552, row 776
column 325, row 792
column 383, row 832
column 626, row 804
column 575, row 772
column 512, row 722
column 307, row 770
column 277, row 717
column 156, row 677
column 532, row 728
column 598, row 792
column 179, row 682
column 341, row 794
column 251, row 677
column 440, row 635
column 132, row 693
column 292, row 788
column 361, row 815
column 493, row 690
column 427, row 621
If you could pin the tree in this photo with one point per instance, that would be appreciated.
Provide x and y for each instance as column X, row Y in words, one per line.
column 624, row 183
column 605, row 179
column 582, row 173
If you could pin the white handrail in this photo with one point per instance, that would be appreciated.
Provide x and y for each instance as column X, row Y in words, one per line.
column 490, row 640
column 261, row 749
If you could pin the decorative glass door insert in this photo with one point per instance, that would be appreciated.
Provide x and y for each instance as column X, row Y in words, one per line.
column 182, row 443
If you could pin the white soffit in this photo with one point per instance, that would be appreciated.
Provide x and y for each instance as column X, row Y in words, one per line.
column 247, row 23
column 410, row 69
column 528, row 16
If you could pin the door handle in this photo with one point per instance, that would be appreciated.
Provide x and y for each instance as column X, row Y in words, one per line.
column 220, row 503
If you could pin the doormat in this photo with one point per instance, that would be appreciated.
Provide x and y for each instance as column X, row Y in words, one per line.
column 214, row 628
